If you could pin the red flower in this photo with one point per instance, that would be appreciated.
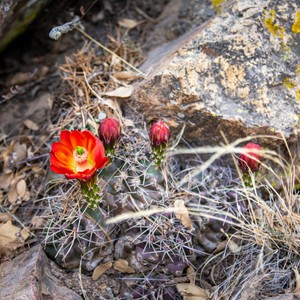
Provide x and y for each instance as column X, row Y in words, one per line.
column 250, row 160
column 159, row 134
column 109, row 132
column 77, row 155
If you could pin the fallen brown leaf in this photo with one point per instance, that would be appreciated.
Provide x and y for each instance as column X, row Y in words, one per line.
column 4, row 217
column 122, row 266
column 21, row 188
column 101, row 269
column 129, row 75
column 182, row 214
column 128, row 23
column 11, row 237
column 37, row 222
column 31, row 125
column 191, row 274
column 120, row 92
column 188, row 290
column 5, row 180
column 12, row 195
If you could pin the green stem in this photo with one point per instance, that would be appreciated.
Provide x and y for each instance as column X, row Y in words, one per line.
column 91, row 191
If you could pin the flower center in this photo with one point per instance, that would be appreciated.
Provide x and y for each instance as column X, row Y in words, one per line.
column 80, row 155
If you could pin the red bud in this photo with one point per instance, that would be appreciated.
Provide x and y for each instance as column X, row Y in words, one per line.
column 159, row 134
column 109, row 132
column 250, row 160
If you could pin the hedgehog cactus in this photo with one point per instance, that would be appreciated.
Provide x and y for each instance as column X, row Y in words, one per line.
column 130, row 181
column 134, row 181
column 77, row 236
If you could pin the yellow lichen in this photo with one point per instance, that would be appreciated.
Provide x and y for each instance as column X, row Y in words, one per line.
column 216, row 3
column 298, row 94
column 298, row 69
column 288, row 82
column 296, row 25
column 274, row 29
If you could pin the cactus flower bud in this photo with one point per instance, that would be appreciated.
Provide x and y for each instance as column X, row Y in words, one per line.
column 109, row 132
column 159, row 138
column 159, row 134
column 250, row 160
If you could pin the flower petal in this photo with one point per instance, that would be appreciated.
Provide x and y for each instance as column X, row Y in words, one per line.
column 77, row 139
column 65, row 138
column 90, row 140
column 57, row 166
column 98, row 155
column 81, row 175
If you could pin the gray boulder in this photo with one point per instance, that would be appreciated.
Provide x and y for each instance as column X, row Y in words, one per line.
column 238, row 73
column 28, row 277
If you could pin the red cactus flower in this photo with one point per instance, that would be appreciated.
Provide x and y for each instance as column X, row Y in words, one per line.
column 159, row 134
column 77, row 155
column 109, row 132
column 250, row 160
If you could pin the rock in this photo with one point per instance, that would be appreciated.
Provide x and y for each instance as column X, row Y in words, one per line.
column 238, row 73
column 28, row 277
column 15, row 16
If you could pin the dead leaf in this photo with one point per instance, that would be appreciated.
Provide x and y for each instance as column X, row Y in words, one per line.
column 37, row 222
column 101, row 269
column 128, row 23
column 26, row 197
column 4, row 217
column 122, row 266
column 221, row 246
column 11, row 237
column 15, row 153
column 31, row 125
column 233, row 246
column 21, row 188
column 191, row 290
column 25, row 233
column 12, row 195
column 5, row 180
column 182, row 214
column 191, row 274
column 120, row 92
column 129, row 75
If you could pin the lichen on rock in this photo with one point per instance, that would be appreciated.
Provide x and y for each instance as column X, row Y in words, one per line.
column 227, row 75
